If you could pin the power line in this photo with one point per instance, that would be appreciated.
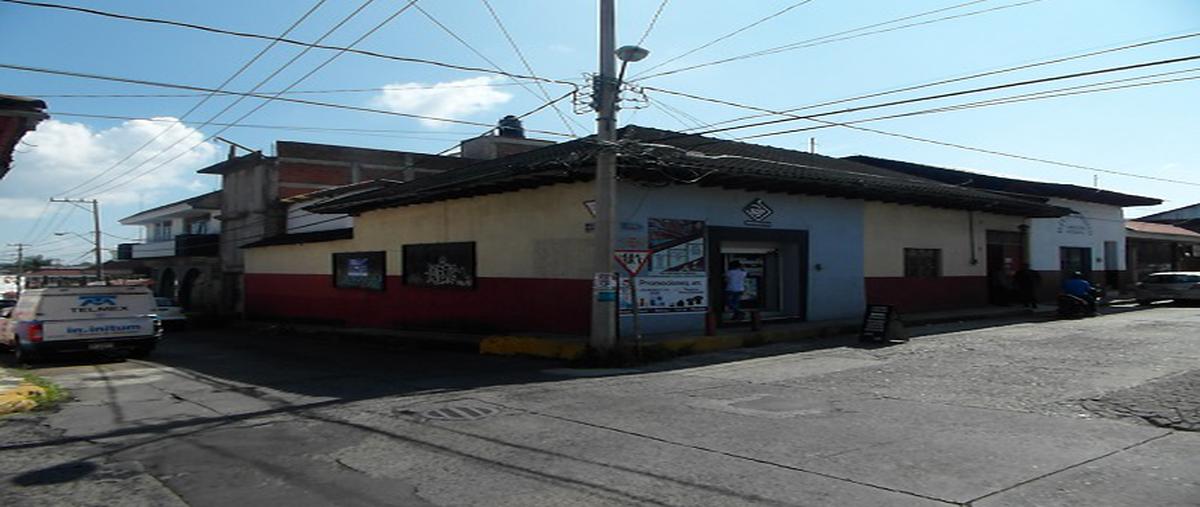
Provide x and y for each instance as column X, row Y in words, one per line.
column 294, row 83
column 1041, row 95
column 520, row 117
column 792, row 118
column 485, row 58
column 293, row 92
column 932, row 141
column 265, row 126
column 654, row 20
column 528, row 68
column 831, row 38
column 971, row 76
column 331, row 105
column 203, row 101
column 363, row 52
column 718, row 39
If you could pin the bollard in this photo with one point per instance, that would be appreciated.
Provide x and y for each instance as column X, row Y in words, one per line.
column 756, row 320
column 710, row 324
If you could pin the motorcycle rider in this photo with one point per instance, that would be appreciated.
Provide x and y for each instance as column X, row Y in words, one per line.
column 1079, row 287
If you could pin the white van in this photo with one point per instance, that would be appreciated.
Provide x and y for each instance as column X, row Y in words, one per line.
column 77, row 319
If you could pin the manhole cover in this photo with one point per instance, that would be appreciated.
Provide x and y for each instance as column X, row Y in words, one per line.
column 460, row 413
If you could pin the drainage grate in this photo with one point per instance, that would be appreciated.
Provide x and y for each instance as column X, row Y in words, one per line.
column 460, row 413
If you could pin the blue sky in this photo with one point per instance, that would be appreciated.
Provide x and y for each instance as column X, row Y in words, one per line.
column 1146, row 130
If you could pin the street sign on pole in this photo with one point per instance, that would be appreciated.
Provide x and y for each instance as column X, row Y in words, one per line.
column 632, row 260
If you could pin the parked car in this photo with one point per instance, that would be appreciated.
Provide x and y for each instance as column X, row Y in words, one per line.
column 1177, row 285
column 80, row 319
column 169, row 313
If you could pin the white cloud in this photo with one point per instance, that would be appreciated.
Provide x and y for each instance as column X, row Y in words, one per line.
column 61, row 155
column 451, row 99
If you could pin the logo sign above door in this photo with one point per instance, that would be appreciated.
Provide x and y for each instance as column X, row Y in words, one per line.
column 758, row 212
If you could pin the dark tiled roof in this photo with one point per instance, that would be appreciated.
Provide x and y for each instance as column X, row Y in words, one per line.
column 21, row 103
column 314, row 151
column 304, row 237
column 1008, row 185
column 211, row 200
column 661, row 156
column 233, row 164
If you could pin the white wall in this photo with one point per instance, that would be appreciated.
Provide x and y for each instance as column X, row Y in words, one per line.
column 300, row 221
column 1090, row 227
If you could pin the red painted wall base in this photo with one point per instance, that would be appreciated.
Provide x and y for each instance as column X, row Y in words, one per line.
column 928, row 294
column 496, row 304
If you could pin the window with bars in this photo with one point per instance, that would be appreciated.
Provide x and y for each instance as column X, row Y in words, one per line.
column 922, row 262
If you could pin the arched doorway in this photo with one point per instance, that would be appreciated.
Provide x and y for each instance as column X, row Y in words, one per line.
column 189, row 289
column 166, row 284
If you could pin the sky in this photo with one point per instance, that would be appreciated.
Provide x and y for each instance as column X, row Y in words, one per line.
column 149, row 154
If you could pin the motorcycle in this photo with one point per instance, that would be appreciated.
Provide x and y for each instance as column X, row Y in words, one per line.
column 1071, row 306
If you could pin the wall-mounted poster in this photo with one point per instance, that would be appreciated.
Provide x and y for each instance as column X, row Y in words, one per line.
column 359, row 270
column 675, row 280
column 444, row 265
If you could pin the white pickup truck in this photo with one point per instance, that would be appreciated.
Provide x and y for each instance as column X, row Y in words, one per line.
column 79, row 319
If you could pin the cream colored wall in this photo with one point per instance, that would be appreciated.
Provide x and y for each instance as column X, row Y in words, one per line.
column 536, row 233
column 890, row 228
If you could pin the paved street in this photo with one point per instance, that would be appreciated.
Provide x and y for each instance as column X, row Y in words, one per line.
column 1089, row 412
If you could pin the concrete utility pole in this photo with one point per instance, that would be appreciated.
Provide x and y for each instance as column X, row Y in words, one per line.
column 604, row 303
column 95, row 231
column 20, row 264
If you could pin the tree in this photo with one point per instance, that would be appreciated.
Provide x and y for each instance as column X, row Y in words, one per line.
column 31, row 263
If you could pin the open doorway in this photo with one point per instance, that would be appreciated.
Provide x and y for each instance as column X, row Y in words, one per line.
column 776, row 264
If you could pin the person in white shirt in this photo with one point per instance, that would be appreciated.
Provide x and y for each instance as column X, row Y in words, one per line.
column 735, row 285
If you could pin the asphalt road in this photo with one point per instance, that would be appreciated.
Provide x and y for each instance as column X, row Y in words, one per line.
column 1099, row 411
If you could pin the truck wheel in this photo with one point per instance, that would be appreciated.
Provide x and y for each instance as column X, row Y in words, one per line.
column 23, row 356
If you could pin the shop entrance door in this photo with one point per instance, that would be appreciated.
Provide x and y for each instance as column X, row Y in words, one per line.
column 1076, row 260
column 762, row 277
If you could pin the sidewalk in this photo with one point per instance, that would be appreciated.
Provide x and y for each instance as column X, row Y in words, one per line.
column 571, row 347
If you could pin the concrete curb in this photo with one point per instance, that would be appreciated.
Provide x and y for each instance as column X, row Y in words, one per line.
column 575, row 348
column 17, row 395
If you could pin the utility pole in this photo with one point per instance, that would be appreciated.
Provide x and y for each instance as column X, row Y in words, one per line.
column 95, row 230
column 20, row 264
column 604, row 302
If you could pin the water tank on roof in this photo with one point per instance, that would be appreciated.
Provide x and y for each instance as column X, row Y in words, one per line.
column 510, row 126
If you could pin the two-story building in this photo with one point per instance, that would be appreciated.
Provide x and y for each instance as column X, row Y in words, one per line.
column 179, row 249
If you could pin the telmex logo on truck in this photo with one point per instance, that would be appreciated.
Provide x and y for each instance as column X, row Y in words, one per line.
column 96, row 304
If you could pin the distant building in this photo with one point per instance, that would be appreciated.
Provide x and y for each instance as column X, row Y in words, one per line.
column 1187, row 217
column 180, row 250
column 18, row 115
column 1154, row 247
column 1090, row 240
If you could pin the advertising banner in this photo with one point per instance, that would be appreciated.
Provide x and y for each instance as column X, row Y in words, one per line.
column 675, row 280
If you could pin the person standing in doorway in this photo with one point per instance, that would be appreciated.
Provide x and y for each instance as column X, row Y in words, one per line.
column 1027, row 282
column 735, row 286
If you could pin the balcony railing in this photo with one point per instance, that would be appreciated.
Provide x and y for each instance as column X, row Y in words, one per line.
column 194, row 245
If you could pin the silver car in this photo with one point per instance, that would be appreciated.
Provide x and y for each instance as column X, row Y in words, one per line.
column 1177, row 285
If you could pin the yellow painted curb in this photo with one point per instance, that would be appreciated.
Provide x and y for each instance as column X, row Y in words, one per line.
column 20, row 398
column 531, row 346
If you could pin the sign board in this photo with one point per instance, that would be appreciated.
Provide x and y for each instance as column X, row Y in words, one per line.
column 881, row 323
column 632, row 260
column 665, row 294
column 604, row 281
